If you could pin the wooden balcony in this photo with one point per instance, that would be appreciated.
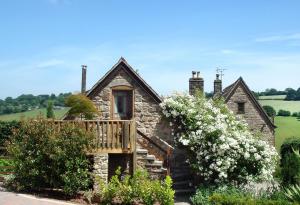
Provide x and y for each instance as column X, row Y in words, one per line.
column 109, row 136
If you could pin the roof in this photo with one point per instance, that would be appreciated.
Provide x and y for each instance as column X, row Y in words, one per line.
column 122, row 64
column 230, row 90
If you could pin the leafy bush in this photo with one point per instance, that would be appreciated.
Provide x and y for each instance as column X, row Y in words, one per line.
column 222, row 149
column 203, row 193
column 232, row 195
column 270, row 110
column 290, row 161
column 81, row 106
column 284, row 113
column 296, row 114
column 45, row 157
column 138, row 188
column 6, row 130
column 293, row 193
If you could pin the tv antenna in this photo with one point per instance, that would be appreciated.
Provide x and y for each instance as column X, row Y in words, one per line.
column 220, row 71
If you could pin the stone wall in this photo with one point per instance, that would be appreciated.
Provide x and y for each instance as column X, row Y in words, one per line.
column 100, row 167
column 252, row 115
column 147, row 111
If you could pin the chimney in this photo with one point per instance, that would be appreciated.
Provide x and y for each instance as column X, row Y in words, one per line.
column 196, row 83
column 217, row 86
column 83, row 80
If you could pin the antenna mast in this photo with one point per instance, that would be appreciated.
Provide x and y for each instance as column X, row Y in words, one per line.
column 220, row 71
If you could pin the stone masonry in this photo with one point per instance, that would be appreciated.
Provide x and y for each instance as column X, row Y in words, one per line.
column 147, row 111
column 100, row 169
column 251, row 115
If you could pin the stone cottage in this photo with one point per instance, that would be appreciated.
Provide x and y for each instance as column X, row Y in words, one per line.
column 123, row 98
column 241, row 101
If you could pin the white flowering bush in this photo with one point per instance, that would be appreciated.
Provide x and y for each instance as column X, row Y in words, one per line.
column 222, row 149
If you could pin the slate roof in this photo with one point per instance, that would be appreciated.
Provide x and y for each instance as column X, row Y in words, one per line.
column 122, row 64
column 229, row 91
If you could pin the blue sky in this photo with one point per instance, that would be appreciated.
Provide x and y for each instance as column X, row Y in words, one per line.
column 44, row 42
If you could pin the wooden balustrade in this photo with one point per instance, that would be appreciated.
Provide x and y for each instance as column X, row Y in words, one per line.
column 110, row 136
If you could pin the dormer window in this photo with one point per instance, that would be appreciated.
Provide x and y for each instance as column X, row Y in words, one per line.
column 240, row 108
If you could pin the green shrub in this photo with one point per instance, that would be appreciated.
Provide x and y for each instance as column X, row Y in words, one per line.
column 284, row 113
column 203, row 193
column 45, row 157
column 270, row 110
column 293, row 193
column 6, row 130
column 290, row 161
column 138, row 188
column 296, row 114
column 227, row 199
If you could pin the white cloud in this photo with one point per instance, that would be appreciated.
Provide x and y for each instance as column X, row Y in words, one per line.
column 288, row 37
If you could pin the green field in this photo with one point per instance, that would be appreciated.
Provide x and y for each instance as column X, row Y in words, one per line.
column 272, row 97
column 292, row 106
column 32, row 114
column 286, row 127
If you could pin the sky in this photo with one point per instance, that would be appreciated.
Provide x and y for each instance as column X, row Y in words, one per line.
column 45, row 42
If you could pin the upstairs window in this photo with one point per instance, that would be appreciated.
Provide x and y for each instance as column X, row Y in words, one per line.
column 241, row 108
column 122, row 104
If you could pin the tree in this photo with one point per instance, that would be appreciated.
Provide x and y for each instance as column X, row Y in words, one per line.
column 284, row 113
column 270, row 110
column 81, row 106
column 50, row 112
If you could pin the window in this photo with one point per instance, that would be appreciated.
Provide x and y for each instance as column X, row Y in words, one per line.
column 241, row 107
column 122, row 104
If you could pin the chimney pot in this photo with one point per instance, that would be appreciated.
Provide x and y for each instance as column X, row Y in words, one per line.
column 193, row 74
column 196, row 83
column 83, row 80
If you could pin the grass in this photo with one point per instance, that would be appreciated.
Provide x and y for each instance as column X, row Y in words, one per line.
column 272, row 97
column 292, row 106
column 32, row 114
column 287, row 127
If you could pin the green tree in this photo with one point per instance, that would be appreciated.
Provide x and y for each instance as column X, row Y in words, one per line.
column 270, row 110
column 50, row 112
column 81, row 106
column 284, row 113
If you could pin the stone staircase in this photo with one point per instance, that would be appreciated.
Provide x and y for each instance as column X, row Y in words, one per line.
column 153, row 165
column 182, row 180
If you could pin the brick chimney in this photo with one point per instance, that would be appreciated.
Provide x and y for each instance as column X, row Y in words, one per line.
column 196, row 83
column 217, row 86
column 83, row 80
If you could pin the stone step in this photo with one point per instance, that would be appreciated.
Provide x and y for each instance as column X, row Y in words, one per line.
column 155, row 164
column 187, row 184
column 182, row 177
column 162, row 170
column 184, row 191
column 150, row 157
column 141, row 151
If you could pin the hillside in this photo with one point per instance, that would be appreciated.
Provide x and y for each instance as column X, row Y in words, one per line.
column 32, row 114
column 286, row 127
column 292, row 106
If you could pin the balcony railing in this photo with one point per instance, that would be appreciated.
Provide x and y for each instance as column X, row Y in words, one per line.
column 110, row 136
